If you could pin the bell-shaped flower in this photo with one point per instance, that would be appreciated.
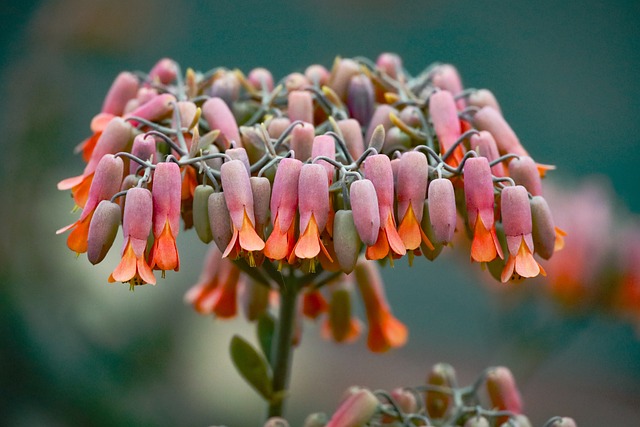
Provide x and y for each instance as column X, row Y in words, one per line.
column 239, row 197
column 341, row 325
column 261, row 189
column 442, row 210
column 284, row 203
column 478, row 190
column 446, row 124
column 113, row 139
column 484, row 144
column 516, row 220
column 300, row 106
column 313, row 203
column 104, row 184
column 357, row 410
column 366, row 213
column 166, row 216
column 524, row 171
column 217, row 289
column 412, row 180
column 385, row 331
column 219, row 116
column 313, row 303
column 377, row 169
column 136, row 226
column 360, row 99
column 103, row 230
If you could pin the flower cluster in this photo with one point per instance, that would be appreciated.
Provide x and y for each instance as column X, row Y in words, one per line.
column 301, row 177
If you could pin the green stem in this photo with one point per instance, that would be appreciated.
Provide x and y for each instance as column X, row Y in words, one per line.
column 283, row 340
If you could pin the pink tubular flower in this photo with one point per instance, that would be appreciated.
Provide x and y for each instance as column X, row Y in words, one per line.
column 489, row 119
column 356, row 410
column 516, row 219
column 502, row 390
column 136, row 226
column 352, row 134
column 154, row 109
column 105, row 183
column 478, row 190
column 313, row 202
column 164, row 71
column 166, row 216
column 446, row 77
column 239, row 199
column 413, row 177
column 144, row 148
column 112, row 140
column 444, row 116
column 485, row 145
column 377, row 169
column 366, row 213
column 122, row 90
column 300, row 106
column 442, row 209
column 302, row 141
column 219, row 116
column 385, row 331
column 284, row 203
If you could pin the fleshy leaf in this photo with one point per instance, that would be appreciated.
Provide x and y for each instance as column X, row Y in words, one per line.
column 265, row 330
column 251, row 366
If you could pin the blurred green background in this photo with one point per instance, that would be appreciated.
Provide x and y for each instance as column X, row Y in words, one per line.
column 75, row 350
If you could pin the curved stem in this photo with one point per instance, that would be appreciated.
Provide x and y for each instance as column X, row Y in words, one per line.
column 283, row 344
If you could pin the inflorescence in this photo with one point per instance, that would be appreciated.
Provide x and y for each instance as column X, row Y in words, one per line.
column 306, row 178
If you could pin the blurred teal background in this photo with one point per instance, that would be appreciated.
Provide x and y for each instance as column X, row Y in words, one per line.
column 75, row 350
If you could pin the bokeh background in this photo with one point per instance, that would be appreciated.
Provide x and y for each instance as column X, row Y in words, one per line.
column 75, row 350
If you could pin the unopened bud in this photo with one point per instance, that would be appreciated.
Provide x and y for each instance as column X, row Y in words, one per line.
column 525, row 172
column 352, row 135
column 489, row 119
column 346, row 241
column 300, row 106
column 405, row 400
column 502, row 390
column 239, row 154
column 302, row 141
column 261, row 78
column 380, row 117
column 317, row 419
column 226, row 88
column 295, row 81
column 219, row 116
column 276, row 422
column 562, row 422
column 114, row 138
column 201, row 212
column 188, row 111
column 123, row 89
column 156, row 108
column 317, row 74
column 220, row 220
column 544, row 230
column 438, row 404
column 484, row 97
column 446, row 77
column 485, row 145
column 343, row 70
column 324, row 145
column 442, row 210
column 366, row 215
column 102, row 230
column 360, row 99
column 261, row 189
column 477, row 421
column 444, row 116
column 164, row 71
column 277, row 126
column 144, row 148
column 356, row 410
column 390, row 64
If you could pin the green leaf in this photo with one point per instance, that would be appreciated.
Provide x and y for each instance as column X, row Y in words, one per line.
column 265, row 330
column 251, row 366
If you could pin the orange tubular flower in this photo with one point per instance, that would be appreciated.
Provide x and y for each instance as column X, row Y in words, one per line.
column 136, row 226
column 106, row 183
column 340, row 324
column 166, row 217
column 313, row 192
column 385, row 331
column 239, row 198
column 413, row 176
column 516, row 219
column 478, row 189
column 377, row 169
column 284, row 202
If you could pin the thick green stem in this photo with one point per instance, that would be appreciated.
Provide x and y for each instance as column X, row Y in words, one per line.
column 283, row 340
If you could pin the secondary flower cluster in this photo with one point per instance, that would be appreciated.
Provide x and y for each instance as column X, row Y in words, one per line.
column 303, row 178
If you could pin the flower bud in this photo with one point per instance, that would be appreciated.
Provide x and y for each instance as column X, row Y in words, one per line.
column 366, row 214
column 123, row 88
column 226, row 88
column 156, row 108
column 352, row 135
column 215, row 163
column 295, row 81
column 484, row 144
column 439, row 404
column 489, row 119
column 106, row 181
column 302, row 141
column 483, row 98
column 219, row 116
column 343, row 70
column 300, row 106
column 380, row 117
column 144, row 148
column 390, row 64
column 188, row 111
column 427, row 228
column 444, row 116
column 442, row 210
column 324, row 145
column 396, row 139
column 239, row 154
column 446, row 77
column 277, row 126
column 164, row 71
column 502, row 390
column 525, row 172
column 261, row 190
column 544, row 230
column 356, row 410
column 346, row 242
column 360, row 99
column 261, row 78
column 317, row 419
column 477, row 421
column 220, row 220
column 317, row 74
column 411, row 116
column 102, row 230
column 340, row 324
column 114, row 138
column 201, row 212
column 405, row 400
column 377, row 138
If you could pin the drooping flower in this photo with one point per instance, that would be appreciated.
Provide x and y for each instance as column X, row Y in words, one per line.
column 313, row 203
column 356, row 410
column 300, row 106
column 239, row 198
column 340, row 324
column 219, row 116
column 446, row 124
column 442, row 210
column 516, row 219
column 484, row 144
column 524, row 172
column 103, row 230
column 166, row 217
column 366, row 213
column 136, row 226
column 503, row 391
column 104, row 184
column 478, row 190
column 385, row 331
column 377, row 169
column 284, row 203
